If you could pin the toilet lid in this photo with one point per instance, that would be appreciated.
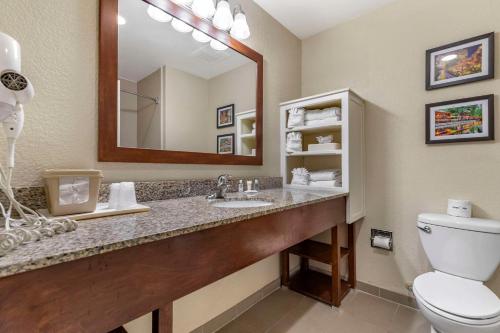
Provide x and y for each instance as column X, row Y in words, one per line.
column 457, row 296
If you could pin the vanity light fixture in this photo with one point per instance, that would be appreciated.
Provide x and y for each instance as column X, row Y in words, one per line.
column 203, row 8
column 201, row 36
column 121, row 20
column 240, row 29
column 223, row 19
column 218, row 46
column 180, row 26
column 158, row 14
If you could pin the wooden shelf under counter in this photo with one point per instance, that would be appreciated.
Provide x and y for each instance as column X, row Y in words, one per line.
column 330, row 289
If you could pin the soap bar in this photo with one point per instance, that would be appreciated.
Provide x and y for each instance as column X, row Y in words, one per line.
column 323, row 146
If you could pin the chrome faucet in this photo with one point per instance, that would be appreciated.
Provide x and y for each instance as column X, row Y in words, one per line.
column 222, row 187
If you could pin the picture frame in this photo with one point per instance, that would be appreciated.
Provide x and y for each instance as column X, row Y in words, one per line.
column 225, row 116
column 461, row 120
column 466, row 61
column 225, row 144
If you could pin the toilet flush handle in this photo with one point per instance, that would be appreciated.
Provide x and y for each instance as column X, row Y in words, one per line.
column 425, row 229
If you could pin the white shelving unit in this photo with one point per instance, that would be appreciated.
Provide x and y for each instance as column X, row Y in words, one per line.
column 245, row 139
column 349, row 132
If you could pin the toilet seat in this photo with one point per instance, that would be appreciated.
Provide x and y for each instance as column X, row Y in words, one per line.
column 458, row 299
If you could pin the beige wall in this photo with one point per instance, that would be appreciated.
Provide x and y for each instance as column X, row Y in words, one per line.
column 186, row 112
column 381, row 56
column 148, row 112
column 128, row 114
column 60, row 57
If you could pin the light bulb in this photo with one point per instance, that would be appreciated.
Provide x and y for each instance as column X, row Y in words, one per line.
column 223, row 19
column 240, row 29
column 183, row 2
column 158, row 15
column 201, row 36
column 216, row 45
column 121, row 20
column 203, row 8
column 181, row 26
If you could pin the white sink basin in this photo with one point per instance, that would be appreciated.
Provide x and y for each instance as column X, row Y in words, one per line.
column 242, row 204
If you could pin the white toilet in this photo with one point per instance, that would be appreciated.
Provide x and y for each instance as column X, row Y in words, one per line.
column 464, row 252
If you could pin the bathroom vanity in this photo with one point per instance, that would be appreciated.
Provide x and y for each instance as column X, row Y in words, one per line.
column 113, row 270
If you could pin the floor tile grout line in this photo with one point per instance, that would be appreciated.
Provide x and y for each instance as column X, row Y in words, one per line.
column 388, row 300
column 283, row 317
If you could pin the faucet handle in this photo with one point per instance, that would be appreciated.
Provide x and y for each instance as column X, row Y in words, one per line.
column 223, row 180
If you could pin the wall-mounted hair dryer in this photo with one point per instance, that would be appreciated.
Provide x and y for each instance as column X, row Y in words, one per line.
column 14, row 87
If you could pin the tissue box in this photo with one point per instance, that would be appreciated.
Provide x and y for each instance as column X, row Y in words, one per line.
column 72, row 191
column 323, row 146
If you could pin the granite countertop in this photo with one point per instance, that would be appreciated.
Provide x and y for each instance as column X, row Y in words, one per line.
column 168, row 218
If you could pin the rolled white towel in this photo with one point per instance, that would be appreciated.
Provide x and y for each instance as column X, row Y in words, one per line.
column 319, row 122
column 325, row 175
column 326, row 183
column 322, row 114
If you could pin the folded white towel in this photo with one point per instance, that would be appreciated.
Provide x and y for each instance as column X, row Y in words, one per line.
column 322, row 114
column 295, row 117
column 326, row 183
column 325, row 175
column 319, row 122
column 293, row 142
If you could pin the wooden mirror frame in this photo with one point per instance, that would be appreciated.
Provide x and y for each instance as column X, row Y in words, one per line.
column 108, row 150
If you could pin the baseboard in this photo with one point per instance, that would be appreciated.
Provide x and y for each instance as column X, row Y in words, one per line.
column 407, row 300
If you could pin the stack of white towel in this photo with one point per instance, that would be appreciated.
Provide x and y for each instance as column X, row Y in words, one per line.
column 321, row 117
column 320, row 178
column 326, row 178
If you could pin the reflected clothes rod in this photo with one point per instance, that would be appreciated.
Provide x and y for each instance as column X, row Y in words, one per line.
column 154, row 99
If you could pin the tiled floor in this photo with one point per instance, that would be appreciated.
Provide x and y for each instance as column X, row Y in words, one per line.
column 288, row 312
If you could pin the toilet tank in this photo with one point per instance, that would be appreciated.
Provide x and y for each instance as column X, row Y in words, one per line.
column 465, row 247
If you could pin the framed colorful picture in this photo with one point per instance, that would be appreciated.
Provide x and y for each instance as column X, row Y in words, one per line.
column 225, row 116
column 225, row 144
column 462, row 120
column 462, row 62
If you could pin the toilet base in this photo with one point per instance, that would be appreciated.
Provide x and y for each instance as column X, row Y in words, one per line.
column 433, row 330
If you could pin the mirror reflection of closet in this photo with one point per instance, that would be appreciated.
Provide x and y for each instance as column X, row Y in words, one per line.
column 171, row 87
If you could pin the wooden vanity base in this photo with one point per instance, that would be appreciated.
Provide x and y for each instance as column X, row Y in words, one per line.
column 102, row 292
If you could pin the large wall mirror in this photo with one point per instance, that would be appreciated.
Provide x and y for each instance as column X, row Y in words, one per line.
column 173, row 89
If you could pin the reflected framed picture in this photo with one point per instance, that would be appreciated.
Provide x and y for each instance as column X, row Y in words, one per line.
column 225, row 144
column 225, row 116
column 461, row 120
column 462, row 62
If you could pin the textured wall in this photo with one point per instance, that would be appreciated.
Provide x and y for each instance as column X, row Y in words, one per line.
column 59, row 45
column 381, row 56
column 59, row 41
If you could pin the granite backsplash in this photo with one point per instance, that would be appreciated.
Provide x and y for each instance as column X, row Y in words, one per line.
column 34, row 197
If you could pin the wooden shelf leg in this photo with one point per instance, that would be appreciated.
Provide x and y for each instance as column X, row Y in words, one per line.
column 352, row 256
column 162, row 319
column 285, row 268
column 336, row 283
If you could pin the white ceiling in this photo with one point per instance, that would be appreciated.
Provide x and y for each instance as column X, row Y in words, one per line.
column 145, row 45
column 305, row 18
